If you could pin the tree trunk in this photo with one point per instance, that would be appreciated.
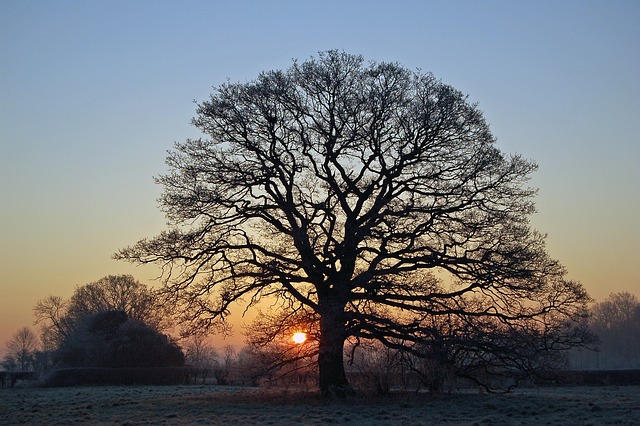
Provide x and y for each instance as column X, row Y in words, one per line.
column 333, row 380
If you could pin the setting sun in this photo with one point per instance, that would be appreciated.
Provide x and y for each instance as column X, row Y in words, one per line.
column 299, row 337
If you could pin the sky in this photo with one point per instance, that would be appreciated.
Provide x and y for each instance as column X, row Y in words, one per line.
column 93, row 93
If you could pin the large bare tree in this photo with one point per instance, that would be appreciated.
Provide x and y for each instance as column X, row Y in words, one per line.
column 370, row 194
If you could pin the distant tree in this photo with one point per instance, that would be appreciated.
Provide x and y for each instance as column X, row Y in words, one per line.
column 59, row 318
column 619, row 310
column 117, row 293
column 223, row 367
column 56, row 325
column 200, row 354
column 22, row 348
column 251, row 368
column 371, row 195
column 616, row 321
column 378, row 366
column 9, row 363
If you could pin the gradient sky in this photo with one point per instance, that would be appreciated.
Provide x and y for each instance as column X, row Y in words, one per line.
column 93, row 93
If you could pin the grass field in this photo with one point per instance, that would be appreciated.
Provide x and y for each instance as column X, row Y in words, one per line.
column 238, row 406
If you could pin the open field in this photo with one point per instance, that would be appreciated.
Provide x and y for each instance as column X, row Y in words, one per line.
column 233, row 405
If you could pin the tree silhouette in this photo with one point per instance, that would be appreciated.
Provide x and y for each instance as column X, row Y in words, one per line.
column 616, row 321
column 369, row 194
column 117, row 293
column 113, row 340
column 22, row 348
column 59, row 318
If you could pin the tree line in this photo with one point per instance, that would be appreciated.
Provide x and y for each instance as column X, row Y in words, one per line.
column 114, row 322
column 616, row 324
column 117, row 322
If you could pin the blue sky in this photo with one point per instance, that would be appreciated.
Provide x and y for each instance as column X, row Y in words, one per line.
column 93, row 93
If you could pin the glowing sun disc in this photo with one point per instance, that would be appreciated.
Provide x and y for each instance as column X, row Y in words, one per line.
column 299, row 337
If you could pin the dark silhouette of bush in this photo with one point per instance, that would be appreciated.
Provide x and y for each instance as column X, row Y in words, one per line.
column 590, row 378
column 112, row 340
column 138, row 345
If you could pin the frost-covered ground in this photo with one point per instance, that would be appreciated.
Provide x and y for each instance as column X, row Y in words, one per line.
column 239, row 406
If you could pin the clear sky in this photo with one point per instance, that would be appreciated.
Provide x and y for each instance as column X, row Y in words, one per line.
column 93, row 93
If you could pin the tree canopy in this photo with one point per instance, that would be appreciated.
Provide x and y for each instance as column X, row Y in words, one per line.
column 22, row 348
column 371, row 196
column 124, row 293
column 616, row 322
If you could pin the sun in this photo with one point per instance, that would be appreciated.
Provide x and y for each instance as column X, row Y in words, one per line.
column 299, row 338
